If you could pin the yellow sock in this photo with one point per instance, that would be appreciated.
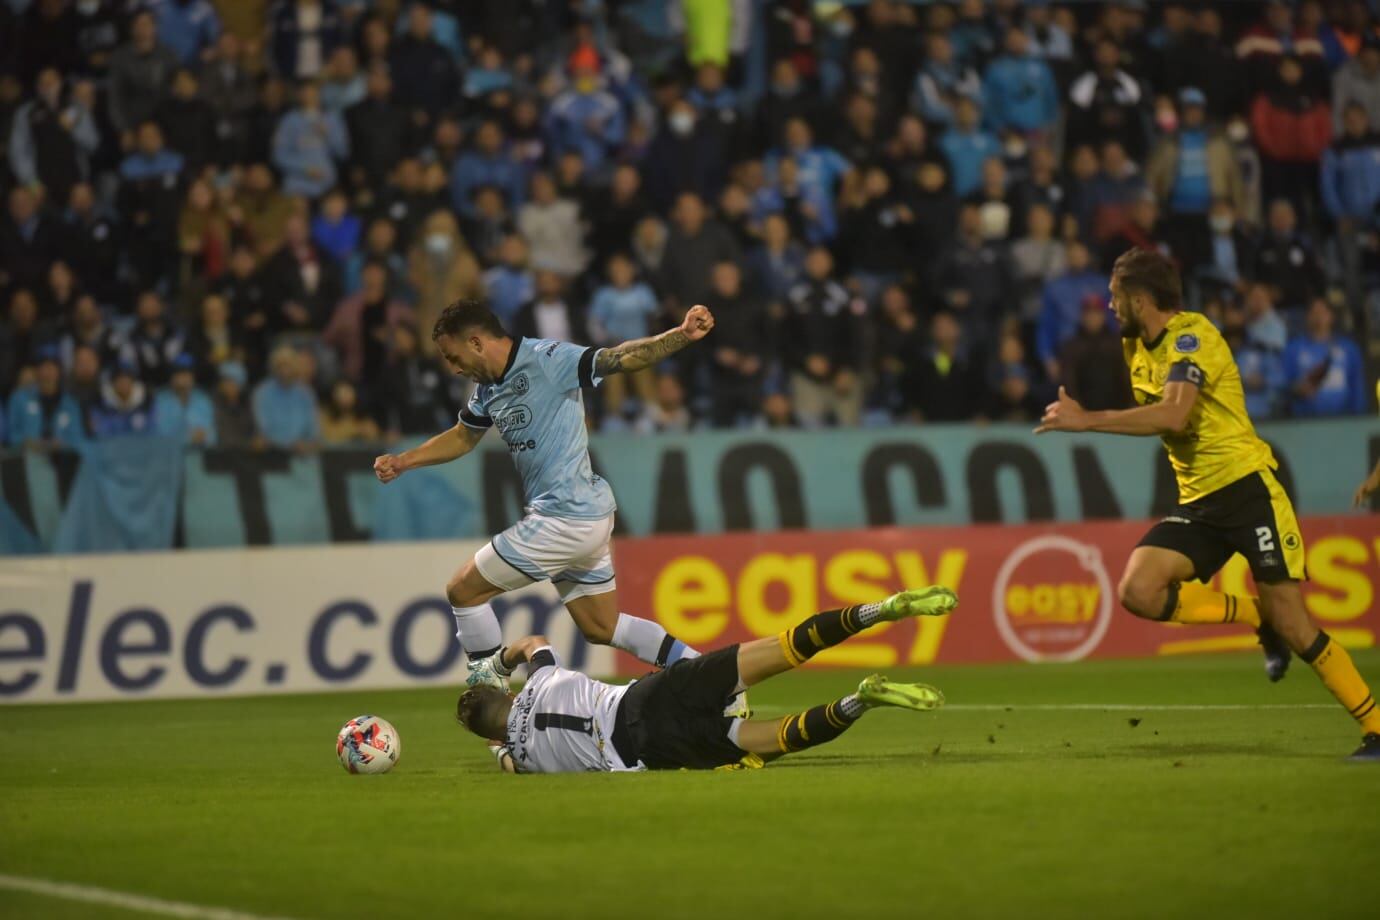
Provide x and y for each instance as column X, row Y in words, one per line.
column 1340, row 676
column 1200, row 604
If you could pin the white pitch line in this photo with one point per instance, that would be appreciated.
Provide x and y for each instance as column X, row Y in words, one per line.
column 1092, row 707
column 105, row 896
column 1133, row 706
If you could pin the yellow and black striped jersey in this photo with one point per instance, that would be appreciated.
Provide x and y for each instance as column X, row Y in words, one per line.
column 1220, row 444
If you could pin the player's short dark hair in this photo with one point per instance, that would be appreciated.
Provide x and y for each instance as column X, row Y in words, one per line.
column 1152, row 274
column 464, row 315
column 484, row 711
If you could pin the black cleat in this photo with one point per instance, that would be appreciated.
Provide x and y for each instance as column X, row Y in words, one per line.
column 1369, row 749
column 1277, row 654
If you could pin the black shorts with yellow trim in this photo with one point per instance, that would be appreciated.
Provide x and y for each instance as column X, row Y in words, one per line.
column 675, row 718
column 1251, row 516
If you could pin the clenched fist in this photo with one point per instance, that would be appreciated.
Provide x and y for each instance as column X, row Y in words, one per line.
column 698, row 322
column 388, row 467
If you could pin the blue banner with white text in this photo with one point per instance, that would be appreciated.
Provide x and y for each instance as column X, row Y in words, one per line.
column 140, row 494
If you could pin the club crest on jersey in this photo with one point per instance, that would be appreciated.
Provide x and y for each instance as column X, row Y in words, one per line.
column 521, row 384
column 1186, row 343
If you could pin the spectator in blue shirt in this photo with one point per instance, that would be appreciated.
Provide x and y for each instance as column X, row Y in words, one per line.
column 1018, row 91
column 1062, row 305
column 487, row 164
column 622, row 310
column 941, row 81
column 821, row 168
column 335, row 229
column 509, row 284
column 1351, row 170
column 1324, row 370
column 488, row 75
column 124, row 408
column 1262, row 372
column 308, row 142
column 586, row 118
column 189, row 27
column 967, row 146
column 284, row 407
column 778, row 264
column 183, row 411
column 42, row 415
column 151, row 160
column 809, row 213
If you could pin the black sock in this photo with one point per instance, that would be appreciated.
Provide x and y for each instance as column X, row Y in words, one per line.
column 817, row 725
column 800, row 643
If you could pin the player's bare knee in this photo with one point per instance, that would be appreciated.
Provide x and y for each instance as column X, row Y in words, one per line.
column 457, row 593
column 1139, row 595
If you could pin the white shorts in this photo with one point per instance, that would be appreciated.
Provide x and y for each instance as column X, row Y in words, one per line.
column 574, row 554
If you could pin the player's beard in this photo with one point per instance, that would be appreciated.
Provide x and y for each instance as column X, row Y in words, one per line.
column 1130, row 328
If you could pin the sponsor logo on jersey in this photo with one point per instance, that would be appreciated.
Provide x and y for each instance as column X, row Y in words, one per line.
column 1186, row 343
column 513, row 418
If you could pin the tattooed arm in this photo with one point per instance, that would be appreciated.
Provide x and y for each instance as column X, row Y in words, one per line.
column 639, row 353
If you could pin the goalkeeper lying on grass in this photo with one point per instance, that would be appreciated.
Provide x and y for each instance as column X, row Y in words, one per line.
column 564, row 722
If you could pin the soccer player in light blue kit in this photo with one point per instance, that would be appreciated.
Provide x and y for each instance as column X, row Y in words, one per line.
column 529, row 389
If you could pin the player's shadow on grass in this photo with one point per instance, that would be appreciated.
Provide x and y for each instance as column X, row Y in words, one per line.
column 851, row 760
column 960, row 753
column 1160, row 749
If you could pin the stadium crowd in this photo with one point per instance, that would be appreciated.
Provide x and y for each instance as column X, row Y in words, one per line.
column 235, row 221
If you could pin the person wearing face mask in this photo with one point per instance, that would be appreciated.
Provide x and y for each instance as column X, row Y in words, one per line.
column 52, row 139
column 1230, row 248
column 1190, row 167
column 686, row 155
column 441, row 269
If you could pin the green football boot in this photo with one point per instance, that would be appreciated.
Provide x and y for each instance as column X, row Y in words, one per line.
column 878, row 691
column 934, row 601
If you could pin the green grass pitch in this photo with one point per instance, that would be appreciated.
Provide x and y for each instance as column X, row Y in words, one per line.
column 1053, row 807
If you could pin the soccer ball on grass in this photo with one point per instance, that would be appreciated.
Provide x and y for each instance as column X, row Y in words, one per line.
column 368, row 744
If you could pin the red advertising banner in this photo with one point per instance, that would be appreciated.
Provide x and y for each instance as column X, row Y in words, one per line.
column 1034, row 592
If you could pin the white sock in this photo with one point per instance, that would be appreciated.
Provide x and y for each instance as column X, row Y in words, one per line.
column 478, row 630
column 648, row 641
column 851, row 706
column 868, row 614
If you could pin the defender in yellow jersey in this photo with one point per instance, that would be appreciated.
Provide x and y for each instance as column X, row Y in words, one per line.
column 1188, row 392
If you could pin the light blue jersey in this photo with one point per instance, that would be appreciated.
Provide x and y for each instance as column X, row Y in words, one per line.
column 540, row 413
